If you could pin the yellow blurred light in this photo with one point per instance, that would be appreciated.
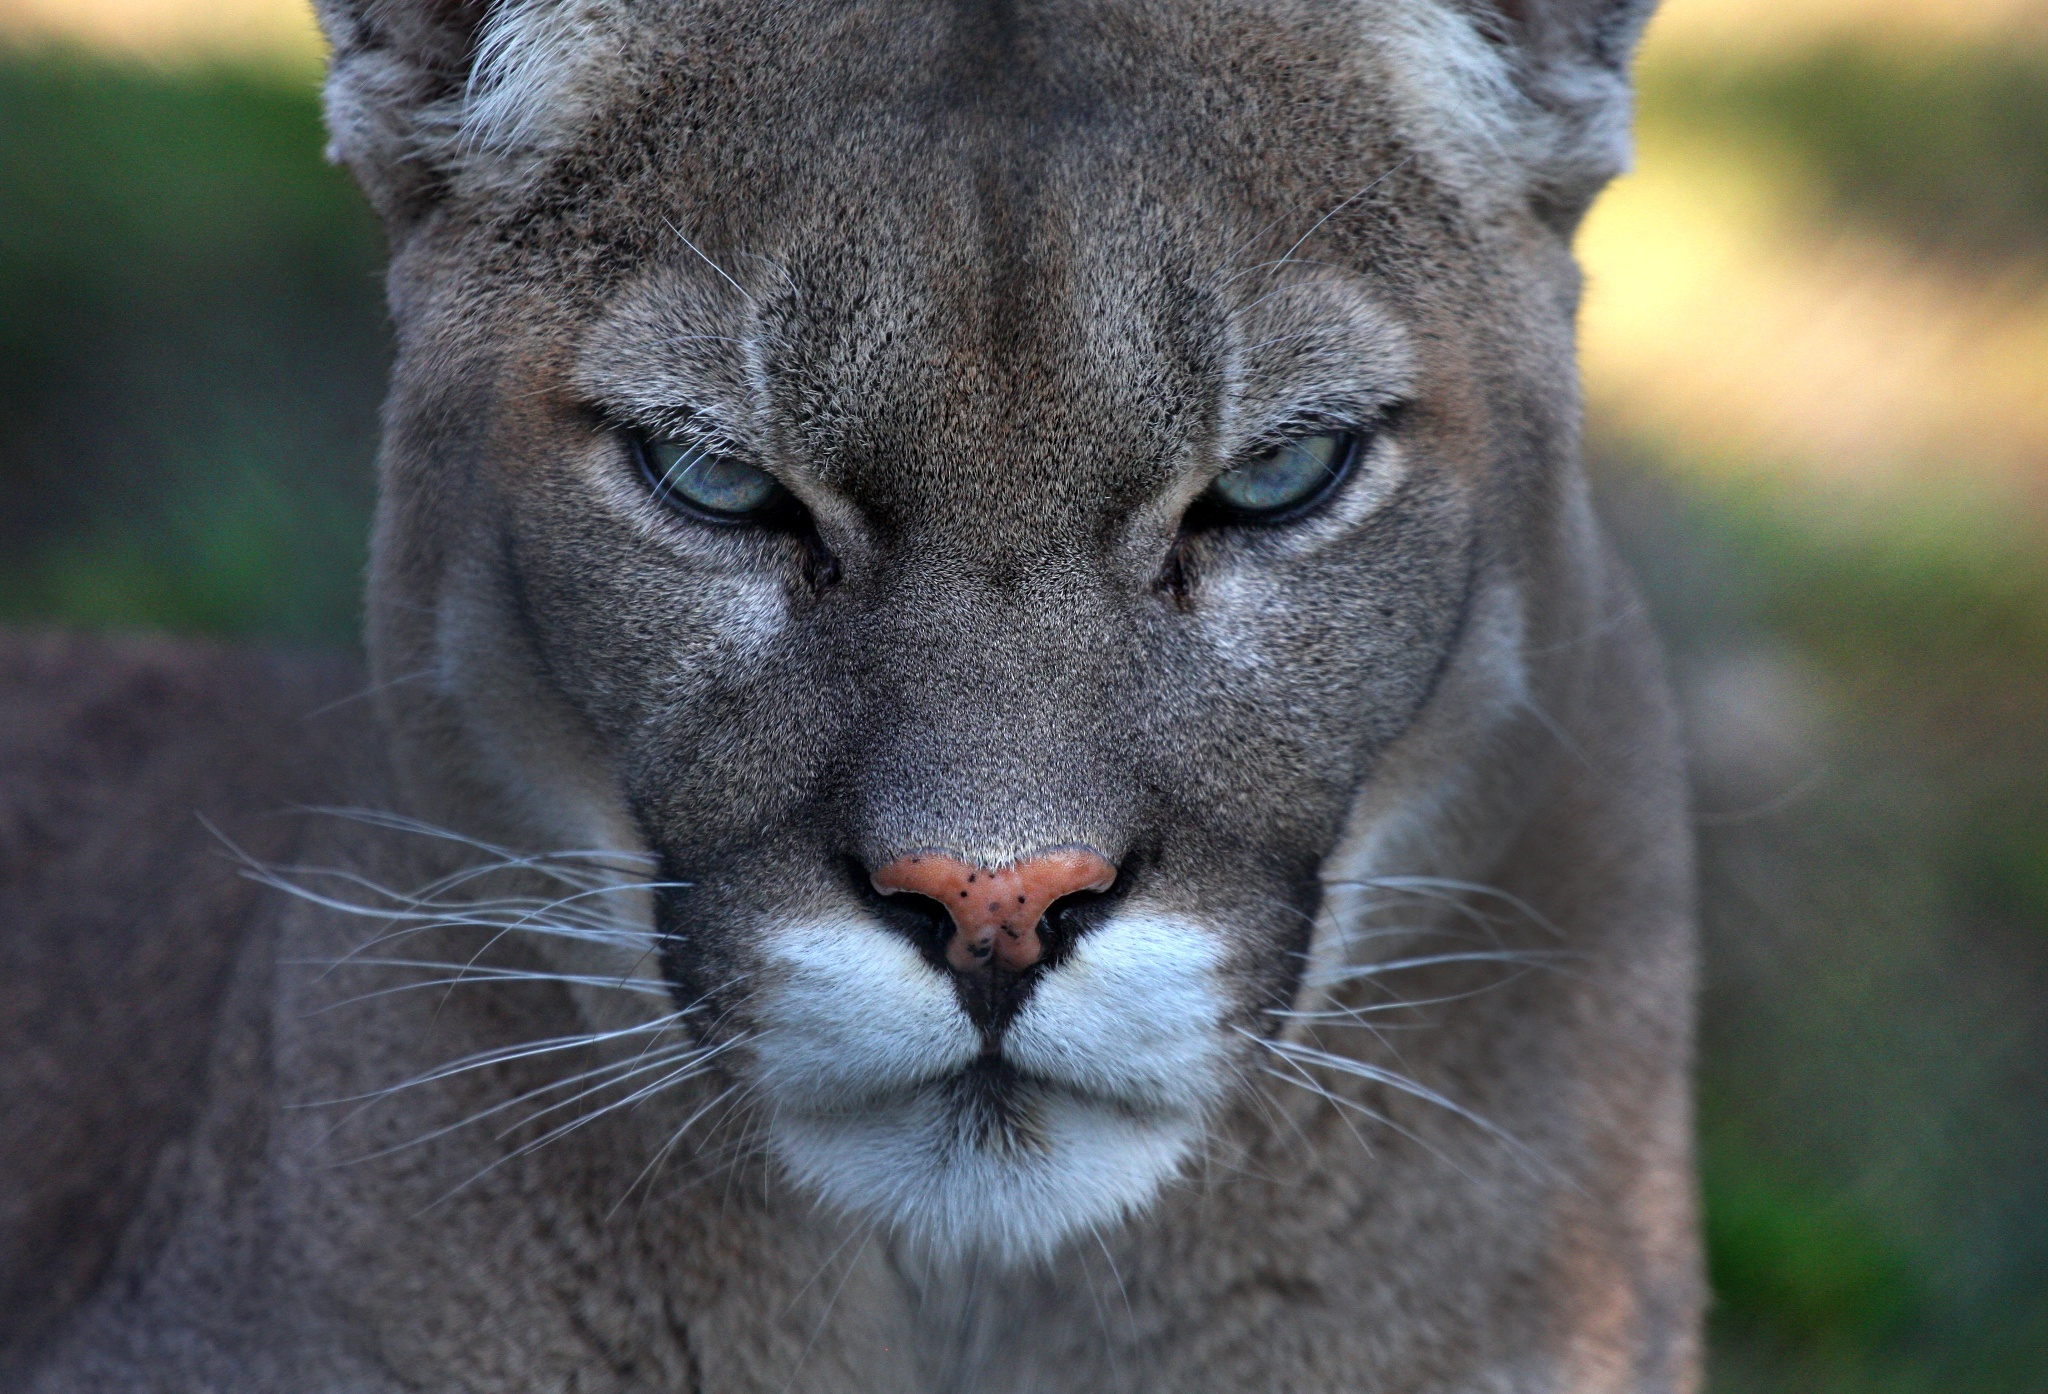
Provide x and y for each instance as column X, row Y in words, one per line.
column 168, row 29
column 1730, row 317
column 1733, row 26
column 1718, row 317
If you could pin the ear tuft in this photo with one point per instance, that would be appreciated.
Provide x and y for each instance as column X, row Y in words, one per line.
column 425, row 97
column 392, row 64
column 1540, row 89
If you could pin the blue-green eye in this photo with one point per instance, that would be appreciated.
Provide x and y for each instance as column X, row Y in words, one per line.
column 707, row 484
column 1289, row 478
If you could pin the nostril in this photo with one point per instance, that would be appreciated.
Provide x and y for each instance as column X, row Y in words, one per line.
column 1067, row 919
column 932, row 925
column 997, row 912
column 921, row 919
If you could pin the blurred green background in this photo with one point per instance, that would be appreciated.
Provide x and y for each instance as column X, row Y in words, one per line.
column 1817, row 350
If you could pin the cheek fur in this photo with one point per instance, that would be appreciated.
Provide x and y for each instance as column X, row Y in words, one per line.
column 1235, row 611
column 747, row 612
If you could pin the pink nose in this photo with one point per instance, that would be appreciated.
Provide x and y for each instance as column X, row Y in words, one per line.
column 996, row 910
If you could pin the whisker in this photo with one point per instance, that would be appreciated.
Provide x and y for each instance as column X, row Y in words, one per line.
column 400, row 822
column 503, row 1055
column 675, row 1138
column 1389, row 173
column 554, row 1134
column 688, row 1069
column 620, row 1069
column 1356, row 972
column 468, row 973
column 1447, row 890
column 824, row 1317
column 1347, row 1016
column 1307, row 1081
column 1359, row 1069
column 1257, row 236
column 365, row 693
column 710, row 263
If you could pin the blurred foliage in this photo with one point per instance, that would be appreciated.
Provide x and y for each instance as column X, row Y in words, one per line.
column 191, row 351
column 1874, row 1066
column 1941, row 143
column 2001, row 855
column 1796, row 1263
column 192, row 347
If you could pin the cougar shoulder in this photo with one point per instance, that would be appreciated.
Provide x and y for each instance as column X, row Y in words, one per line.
column 131, row 772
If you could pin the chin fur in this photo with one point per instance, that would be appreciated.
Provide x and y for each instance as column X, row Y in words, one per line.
column 887, row 1104
column 988, row 1163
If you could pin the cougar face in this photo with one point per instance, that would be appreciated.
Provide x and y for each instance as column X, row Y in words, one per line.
column 976, row 529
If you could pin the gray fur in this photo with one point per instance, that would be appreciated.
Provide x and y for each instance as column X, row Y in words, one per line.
column 994, row 288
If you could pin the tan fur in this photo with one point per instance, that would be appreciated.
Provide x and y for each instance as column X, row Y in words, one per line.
column 1369, row 1069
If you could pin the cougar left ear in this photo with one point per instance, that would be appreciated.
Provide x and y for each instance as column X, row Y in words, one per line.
column 426, row 95
column 1570, row 60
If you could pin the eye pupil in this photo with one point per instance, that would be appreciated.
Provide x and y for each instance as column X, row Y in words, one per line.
column 685, row 475
column 1287, row 478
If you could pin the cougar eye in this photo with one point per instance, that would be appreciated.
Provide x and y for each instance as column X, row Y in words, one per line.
column 705, row 484
column 1288, row 479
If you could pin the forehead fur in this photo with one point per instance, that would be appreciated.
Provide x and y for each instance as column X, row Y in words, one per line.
column 544, row 77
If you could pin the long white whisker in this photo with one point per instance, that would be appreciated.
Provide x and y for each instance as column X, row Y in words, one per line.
column 825, row 1316
column 1384, row 176
column 1392, row 1080
column 1304, row 1080
column 619, row 1070
column 503, row 1055
column 1352, row 1016
column 1301, row 1079
column 470, row 973
column 1447, row 890
column 674, row 1140
column 1254, row 238
column 661, row 1060
column 689, row 1071
column 710, row 263
column 1353, row 973
column 399, row 822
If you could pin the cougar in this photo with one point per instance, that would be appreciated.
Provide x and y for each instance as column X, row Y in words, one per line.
column 1001, row 750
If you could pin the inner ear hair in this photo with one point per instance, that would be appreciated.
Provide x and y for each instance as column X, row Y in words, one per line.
column 1603, row 32
column 430, row 97
column 396, row 68
column 1570, row 61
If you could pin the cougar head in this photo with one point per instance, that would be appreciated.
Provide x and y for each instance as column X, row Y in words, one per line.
column 980, row 493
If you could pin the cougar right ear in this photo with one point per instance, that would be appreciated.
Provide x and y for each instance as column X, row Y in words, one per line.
column 428, row 97
column 1571, row 61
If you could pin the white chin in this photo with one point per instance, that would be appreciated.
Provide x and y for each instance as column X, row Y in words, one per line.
column 959, row 1177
